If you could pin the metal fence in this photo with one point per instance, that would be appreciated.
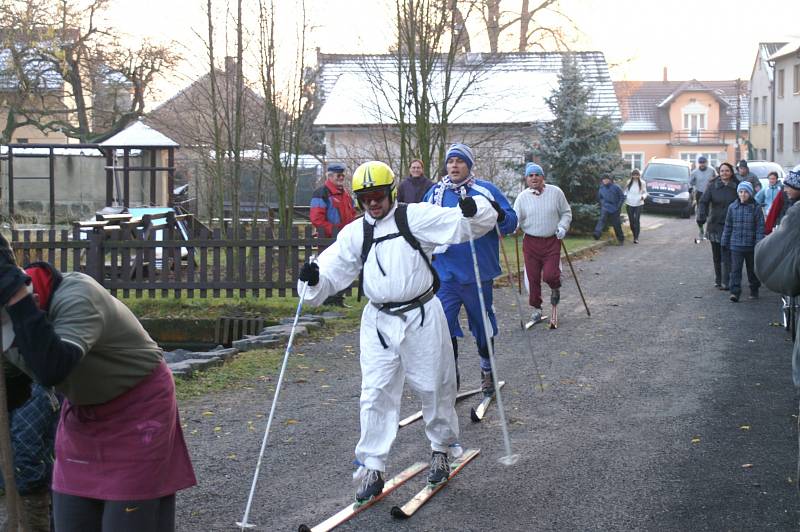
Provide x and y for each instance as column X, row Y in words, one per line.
column 165, row 255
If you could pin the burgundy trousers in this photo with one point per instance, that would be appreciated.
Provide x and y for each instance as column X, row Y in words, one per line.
column 542, row 263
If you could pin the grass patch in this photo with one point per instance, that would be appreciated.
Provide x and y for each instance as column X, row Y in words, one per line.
column 248, row 306
column 245, row 369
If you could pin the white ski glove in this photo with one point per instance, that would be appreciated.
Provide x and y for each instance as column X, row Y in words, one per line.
column 561, row 233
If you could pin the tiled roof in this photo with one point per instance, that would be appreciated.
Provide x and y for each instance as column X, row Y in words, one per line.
column 44, row 77
column 645, row 104
column 509, row 88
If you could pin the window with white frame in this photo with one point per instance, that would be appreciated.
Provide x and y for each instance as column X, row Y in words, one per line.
column 691, row 158
column 780, row 83
column 763, row 154
column 633, row 159
column 779, row 140
column 796, row 136
column 764, row 114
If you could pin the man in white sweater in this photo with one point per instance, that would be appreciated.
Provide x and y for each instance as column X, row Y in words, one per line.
column 544, row 216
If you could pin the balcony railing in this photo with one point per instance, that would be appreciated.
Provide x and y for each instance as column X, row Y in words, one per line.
column 701, row 136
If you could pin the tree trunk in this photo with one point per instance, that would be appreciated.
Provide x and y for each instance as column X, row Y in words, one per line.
column 524, row 21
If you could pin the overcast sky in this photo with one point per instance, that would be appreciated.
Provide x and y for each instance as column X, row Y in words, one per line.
column 702, row 39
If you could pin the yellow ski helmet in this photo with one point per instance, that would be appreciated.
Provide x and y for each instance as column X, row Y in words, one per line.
column 373, row 176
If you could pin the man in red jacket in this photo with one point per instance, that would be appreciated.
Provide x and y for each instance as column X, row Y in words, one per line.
column 331, row 204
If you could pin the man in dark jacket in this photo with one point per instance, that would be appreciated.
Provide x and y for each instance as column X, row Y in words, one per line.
column 711, row 210
column 611, row 198
column 744, row 174
column 414, row 187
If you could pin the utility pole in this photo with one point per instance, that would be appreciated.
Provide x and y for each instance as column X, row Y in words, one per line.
column 738, row 151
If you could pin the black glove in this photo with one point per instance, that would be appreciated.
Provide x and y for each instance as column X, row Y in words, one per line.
column 501, row 214
column 468, row 207
column 11, row 280
column 309, row 273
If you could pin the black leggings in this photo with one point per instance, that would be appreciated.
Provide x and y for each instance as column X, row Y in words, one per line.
column 634, row 214
column 79, row 514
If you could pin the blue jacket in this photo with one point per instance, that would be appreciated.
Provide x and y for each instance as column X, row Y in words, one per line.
column 744, row 225
column 611, row 197
column 455, row 264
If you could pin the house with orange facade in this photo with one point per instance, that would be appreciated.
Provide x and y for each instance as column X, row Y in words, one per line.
column 683, row 120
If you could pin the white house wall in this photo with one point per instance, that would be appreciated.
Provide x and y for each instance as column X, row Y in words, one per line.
column 787, row 112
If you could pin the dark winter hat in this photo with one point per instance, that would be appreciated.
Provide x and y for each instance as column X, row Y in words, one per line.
column 792, row 180
column 463, row 152
column 336, row 168
column 742, row 164
column 702, row 159
column 745, row 185
column 533, row 168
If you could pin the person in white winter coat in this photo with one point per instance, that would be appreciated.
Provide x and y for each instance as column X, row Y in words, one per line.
column 635, row 193
column 404, row 331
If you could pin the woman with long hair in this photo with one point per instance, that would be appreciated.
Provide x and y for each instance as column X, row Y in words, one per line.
column 711, row 210
column 635, row 192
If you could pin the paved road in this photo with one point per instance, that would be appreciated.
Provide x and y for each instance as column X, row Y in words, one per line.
column 669, row 409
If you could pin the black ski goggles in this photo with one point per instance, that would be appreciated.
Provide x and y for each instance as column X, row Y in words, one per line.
column 377, row 195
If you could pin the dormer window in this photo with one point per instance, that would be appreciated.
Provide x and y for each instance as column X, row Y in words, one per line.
column 695, row 118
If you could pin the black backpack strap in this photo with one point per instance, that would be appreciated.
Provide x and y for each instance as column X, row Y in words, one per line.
column 366, row 245
column 401, row 218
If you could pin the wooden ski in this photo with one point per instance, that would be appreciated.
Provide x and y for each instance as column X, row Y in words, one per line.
column 477, row 414
column 416, row 502
column 352, row 510
column 418, row 414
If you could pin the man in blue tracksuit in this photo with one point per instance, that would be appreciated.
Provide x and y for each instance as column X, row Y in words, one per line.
column 611, row 198
column 454, row 266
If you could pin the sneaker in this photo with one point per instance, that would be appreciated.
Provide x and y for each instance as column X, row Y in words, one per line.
column 440, row 468
column 536, row 315
column 723, row 287
column 555, row 296
column 734, row 298
column 487, row 383
column 596, row 237
column 371, row 486
column 635, row 240
column 753, row 294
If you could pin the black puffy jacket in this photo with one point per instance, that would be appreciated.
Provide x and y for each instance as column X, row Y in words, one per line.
column 713, row 205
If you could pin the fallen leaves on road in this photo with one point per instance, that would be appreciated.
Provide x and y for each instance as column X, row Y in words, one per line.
column 747, row 466
column 696, row 439
column 291, row 422
column 745, row 427
column 208, row 413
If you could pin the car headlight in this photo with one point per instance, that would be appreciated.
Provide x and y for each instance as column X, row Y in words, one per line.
column 682, row 195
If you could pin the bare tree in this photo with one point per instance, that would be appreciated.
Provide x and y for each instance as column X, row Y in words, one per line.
column 105, row 84
column 533, row 31
column 290, row 106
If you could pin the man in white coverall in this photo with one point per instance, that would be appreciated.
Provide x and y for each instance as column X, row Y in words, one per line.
column 403, row 328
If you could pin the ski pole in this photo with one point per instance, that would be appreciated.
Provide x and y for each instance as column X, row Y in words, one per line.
column 509, row 458
column 519, row 307
column 244, row 523
column 574, row 276
column 519, row 269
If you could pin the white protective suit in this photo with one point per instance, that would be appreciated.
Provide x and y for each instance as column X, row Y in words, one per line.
column 418, row 349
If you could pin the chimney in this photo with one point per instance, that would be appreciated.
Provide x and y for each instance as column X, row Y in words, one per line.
column 665, row 75
column 230, row 65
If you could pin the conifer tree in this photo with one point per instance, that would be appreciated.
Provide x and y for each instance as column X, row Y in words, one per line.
column 577, row 148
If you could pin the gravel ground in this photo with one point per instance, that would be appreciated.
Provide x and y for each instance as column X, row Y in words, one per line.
column 670, row 408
